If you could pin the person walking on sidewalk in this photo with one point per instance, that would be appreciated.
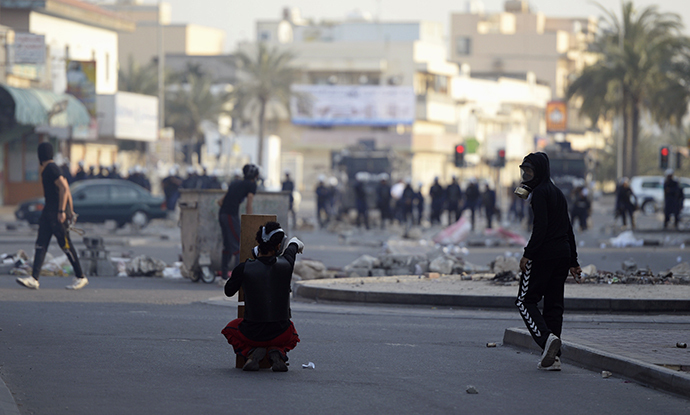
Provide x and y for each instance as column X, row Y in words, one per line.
column 229, row 215
column 549, row 255
column 673, row 199
column 56, row 215
column 266, row 327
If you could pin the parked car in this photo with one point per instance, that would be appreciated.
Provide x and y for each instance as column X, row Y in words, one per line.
column 650, row 193
column 105, row 199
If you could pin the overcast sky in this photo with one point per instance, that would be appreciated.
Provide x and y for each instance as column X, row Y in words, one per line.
column 237, row 17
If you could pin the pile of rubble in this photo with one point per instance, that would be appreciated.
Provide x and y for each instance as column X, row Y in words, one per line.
column 441, row 260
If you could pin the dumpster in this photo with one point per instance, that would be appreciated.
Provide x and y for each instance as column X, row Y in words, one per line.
column 202, row 241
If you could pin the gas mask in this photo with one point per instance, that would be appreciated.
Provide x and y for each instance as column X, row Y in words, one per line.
column 527, row 174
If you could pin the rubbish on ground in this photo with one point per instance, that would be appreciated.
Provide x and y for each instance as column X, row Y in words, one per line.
column 472, row 390
column 309, row 365
column 606, row 374
column 491, row 345
column 590, row 269
column 310, row 270
column 172, row 272
column 145, row 266
column 626, row 239
column 681, row 345
column 455, row 233
column 505, row 278
column 506, row 263
column 511, row 237
column 629, row 265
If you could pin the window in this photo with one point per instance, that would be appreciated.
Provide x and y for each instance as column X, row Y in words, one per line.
column 463, row 45
column 93, row 194
column 651, row 185
column 123, row 193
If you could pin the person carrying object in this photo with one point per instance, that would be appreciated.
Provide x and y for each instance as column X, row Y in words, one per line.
column 229, row 215
column 266, row 328
column 548, row 257
column 55, row 218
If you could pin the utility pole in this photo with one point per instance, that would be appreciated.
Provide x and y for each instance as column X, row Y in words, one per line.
column 621, row 126
column 161, row 73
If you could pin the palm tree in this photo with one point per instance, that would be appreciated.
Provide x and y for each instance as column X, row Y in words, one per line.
column 138, row 79
column 266, row 80
column 638, row 54
column 194, row 101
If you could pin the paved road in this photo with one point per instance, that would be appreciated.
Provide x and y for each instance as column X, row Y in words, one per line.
column 142, row 346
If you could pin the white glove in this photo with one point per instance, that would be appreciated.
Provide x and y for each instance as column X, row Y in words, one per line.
column 300, row 244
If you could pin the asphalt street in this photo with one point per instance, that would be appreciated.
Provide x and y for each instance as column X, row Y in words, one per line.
column 147, row 346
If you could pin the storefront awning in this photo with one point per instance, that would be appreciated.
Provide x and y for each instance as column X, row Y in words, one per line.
column 39, row 107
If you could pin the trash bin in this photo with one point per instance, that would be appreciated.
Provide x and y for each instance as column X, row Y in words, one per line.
column 202, row 241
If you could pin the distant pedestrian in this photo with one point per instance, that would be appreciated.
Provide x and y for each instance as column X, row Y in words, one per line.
column 453, row 199
column 581, row 207
column 673, row 199
column 171, row 189
column 383, row 200
column 550, row 254
column 361, row 199
column 322, row 195
column 419, row 204
column 472, row 199
column 81, row 173
column 289, row 186
column 437, row 195
column 229, row 215
column 489, row 203
column 55, row 218
column 408, row 197
column 626, row 202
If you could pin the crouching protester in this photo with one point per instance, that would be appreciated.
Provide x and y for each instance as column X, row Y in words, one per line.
column 266, row 327
column 550, row 254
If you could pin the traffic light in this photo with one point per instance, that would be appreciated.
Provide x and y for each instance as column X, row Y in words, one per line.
column 664, row 153
column 501, row 158
column 460, row 155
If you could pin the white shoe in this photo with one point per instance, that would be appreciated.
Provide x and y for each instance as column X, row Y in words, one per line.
column 28, row 282
column 78, row 283
column 555, row 367
column 553, row 345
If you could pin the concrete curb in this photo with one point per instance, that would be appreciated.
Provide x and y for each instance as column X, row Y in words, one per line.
column 7, row 404
column 477, row 301
column 645, row 373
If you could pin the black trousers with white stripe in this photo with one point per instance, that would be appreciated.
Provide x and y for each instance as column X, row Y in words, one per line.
column 543, row 279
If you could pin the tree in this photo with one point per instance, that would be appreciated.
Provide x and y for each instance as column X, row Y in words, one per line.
column 138, row 79
column 194, row 101
column 266, row 80
column 640, row 62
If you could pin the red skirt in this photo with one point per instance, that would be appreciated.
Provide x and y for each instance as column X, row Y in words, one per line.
column 243, row 346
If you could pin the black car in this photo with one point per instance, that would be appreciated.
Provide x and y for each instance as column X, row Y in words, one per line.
column 99, row 200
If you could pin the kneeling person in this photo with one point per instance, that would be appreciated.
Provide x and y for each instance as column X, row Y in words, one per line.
column 266, row 326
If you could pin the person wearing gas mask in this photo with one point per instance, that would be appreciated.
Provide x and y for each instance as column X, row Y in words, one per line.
column 266, row 327
column 548, row 257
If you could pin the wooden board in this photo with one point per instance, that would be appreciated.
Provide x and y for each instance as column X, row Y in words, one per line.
column 249, row 225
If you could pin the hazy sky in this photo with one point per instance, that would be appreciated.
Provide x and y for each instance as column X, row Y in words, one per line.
column 237, row 17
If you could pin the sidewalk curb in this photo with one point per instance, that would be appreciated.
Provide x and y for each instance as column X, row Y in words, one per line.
column 645, row 373
column 7, row 404
column 300, row 289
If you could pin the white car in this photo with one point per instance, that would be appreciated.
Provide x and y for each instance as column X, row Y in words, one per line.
column 649, row 191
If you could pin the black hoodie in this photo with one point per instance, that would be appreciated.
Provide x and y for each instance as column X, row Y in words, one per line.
column 552, row 234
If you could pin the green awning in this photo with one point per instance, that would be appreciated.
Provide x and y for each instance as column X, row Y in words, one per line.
column 32, row 106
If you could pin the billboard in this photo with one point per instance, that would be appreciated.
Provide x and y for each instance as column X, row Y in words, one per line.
column 29, row 48
column 556, row 117
column 328, row 105
column 81, row 82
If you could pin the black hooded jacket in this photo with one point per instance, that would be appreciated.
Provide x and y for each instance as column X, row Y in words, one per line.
column 552, row 234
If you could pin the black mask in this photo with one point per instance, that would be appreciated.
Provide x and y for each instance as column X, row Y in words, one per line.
column 45, row 152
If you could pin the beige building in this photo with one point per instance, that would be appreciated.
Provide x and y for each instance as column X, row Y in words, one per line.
column 517, row 41
column 153, row 25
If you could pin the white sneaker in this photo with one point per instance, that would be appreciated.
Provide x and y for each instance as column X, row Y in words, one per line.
column 555, row 367
column 78, row 283
column 28, row 282
column 553, row 345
